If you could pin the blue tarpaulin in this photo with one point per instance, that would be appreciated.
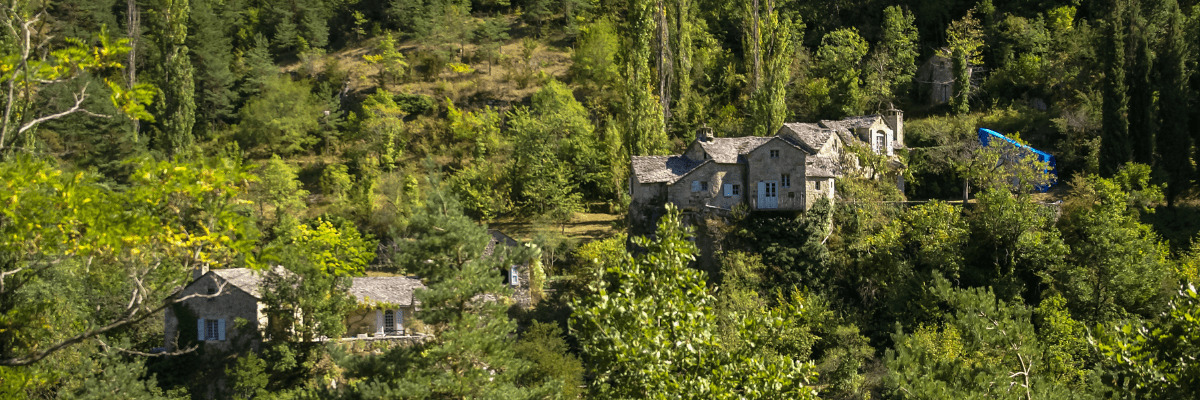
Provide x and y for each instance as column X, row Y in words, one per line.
column 987, row 136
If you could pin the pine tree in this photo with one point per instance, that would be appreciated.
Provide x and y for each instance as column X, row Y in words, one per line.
column 1174, row 140
column 257, row 67
column 645, row 129
column 1114, row 137
column 212, row 55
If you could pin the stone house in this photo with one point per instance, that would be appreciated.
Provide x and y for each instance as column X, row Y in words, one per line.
column 789, row 171
column 517, row 276
column 224, row 309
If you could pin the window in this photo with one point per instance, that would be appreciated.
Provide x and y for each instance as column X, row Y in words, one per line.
column 212, row 290
column 389, row 322
column 210, row 329
column 703, row 186
column 699, row 186
column 879, row 139
column 514, row 277
column 786, row 180
column 817, row 184
column 774, row 153
column 737, row 189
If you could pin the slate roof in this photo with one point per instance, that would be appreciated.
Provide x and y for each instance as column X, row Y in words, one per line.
column 498, row 238
column 727, row 150
column 822, row 167
column 807, row 135
column 662, row 169
column 391, row 289
column 862, row 121
column 246, row 279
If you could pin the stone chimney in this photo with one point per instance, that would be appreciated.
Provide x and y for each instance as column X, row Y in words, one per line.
column 199, row 272
column 704, row 134
column 894, row 119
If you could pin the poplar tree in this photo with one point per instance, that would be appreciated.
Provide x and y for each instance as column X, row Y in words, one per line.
column 1114, row 136
column 965, row 38
column 645, row 129
column 685, row 110
column 768, row 102
column 178, row 86
column 1174, row 140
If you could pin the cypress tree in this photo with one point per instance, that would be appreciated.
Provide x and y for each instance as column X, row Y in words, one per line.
column 1114, row 135
column 645, row 131
column 1174, row 140
column 1140, row 85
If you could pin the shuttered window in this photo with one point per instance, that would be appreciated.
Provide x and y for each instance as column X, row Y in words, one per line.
column 728, row 189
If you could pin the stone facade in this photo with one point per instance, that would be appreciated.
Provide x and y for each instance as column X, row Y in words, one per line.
column 223, row 309
column 790, row 171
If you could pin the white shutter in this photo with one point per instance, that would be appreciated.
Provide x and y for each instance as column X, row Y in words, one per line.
column 728, row 189
column 396, row 321
column 200, row 330
column 220, row 329
column 399, row 321
column 514, row 277
column 695, row 186
column 378, row 322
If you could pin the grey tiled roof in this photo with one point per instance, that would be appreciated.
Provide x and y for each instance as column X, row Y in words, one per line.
column 498, row 238
column 662, row 169
column 811, row 136
column 861, row 121
column 249, row 280
column 727, row 150
column 392, row 289
column 822, row 167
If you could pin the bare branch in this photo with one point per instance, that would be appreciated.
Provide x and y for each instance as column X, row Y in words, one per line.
column 78, row 107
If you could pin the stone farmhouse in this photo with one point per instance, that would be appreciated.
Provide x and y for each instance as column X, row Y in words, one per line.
column 516, row 276
column 221, row 299
column 790, row 171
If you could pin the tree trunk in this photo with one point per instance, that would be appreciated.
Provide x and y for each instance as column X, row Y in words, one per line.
column 134, row 24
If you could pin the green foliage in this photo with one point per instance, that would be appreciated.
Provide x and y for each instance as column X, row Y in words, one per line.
column 279, row 189
column 551, row 364
column 178, row 103
column 893, row 63
column 282, row 120
column 839, row 59
column 388, row 60
column 642, row 113
column 964, row 38
column 1117, row 265
column 1152, row 359
column 381, row 127
column 619, row 328
column 248, row 377
column 336, row 182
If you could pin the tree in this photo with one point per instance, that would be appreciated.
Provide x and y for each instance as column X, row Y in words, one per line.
column 965, row 38
column 178, row 85
column 490, row 35
column 1152, row 358
column 388, row 60
column 37, row 64
column 211, row 52
column 1116, row 266
column 645, row 132
column 471, row 354
column 768, row 100
column 280, row 189
column 282, row 119
column 123, row 253
column 1142, row 38
column 620, row 328
column 319, row 261
column 1115, row 146
column 1175, row 145
column 986, row 348
column 838, row 59
column 893, row 64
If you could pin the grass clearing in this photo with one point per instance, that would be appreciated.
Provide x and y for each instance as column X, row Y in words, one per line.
column 585, row 227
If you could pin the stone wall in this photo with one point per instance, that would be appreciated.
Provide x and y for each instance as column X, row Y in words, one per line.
column 763, row 168
column 714, row 176
column 231, row 305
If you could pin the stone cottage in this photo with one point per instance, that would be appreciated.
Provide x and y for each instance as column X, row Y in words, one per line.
column 516, row 276
column 384, row 306
column 224, row 308
column 790, row 171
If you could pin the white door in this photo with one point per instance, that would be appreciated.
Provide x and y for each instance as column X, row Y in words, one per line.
column 768, row 198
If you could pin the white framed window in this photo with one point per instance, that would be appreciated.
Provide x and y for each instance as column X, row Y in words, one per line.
column 785, row 180
column 514, row 277
column 389, row 322
column 774, row 153
column 210, row 329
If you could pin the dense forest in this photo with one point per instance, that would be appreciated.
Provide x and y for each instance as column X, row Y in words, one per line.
column 142, row 140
